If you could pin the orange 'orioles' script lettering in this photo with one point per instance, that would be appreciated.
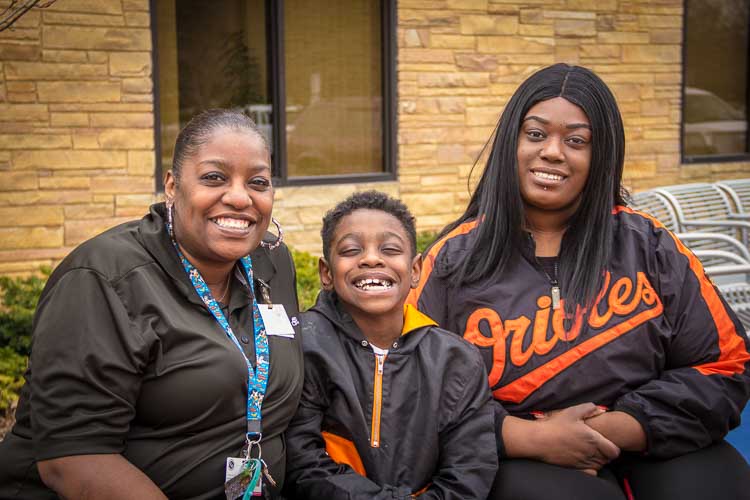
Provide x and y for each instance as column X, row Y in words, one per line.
column 622, row 301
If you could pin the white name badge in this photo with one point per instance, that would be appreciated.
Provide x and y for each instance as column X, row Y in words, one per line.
column 276, row 320
column 233, row 467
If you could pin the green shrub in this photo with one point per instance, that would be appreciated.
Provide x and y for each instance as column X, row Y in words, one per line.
column 12, row 367
column 424, row 239
column 19, row 299
column 308, row 282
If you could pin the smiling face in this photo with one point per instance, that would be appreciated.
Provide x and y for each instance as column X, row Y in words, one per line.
column 223, row 200
column 371, row 266
column 554, row 156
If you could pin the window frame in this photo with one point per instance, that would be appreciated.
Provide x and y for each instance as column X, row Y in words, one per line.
column 725, row 158
column 277, row 86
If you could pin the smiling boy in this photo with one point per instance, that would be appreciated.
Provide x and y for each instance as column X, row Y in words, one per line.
column 392, row 406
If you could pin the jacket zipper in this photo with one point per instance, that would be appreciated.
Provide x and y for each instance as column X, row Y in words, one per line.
column 377, row 401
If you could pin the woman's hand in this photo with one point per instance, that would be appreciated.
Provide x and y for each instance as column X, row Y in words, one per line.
column 109, row 476
column 561, row 438
column 621, row 428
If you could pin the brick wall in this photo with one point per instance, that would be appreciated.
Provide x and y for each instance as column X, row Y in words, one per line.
column 76, row 109
column 461, row 60
column 76, row 127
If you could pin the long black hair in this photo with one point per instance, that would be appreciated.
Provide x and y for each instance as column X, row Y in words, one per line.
column 497, row 204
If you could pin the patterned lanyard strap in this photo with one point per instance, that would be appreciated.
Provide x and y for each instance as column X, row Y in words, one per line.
column 257, row 379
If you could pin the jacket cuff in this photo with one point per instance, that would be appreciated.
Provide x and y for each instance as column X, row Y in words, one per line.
column 500, row 414
column 638, row 414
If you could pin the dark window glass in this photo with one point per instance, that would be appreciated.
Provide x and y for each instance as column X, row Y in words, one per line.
column 715, row 111
column 333, row 87
column 211, row 55
column 328, row 79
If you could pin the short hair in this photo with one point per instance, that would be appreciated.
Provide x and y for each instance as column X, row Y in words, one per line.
column 498, row 203
column 201, row 128
column 371, row 200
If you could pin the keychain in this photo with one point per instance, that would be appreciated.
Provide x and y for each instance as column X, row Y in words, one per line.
column 244, row 475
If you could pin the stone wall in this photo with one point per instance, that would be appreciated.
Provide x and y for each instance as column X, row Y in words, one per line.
column 76, row 109
column 461, row 60
column 76, row 127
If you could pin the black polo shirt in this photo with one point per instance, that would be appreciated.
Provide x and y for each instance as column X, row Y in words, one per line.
column 126, row 359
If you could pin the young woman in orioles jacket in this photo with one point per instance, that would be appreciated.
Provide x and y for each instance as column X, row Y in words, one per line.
column 616, row 366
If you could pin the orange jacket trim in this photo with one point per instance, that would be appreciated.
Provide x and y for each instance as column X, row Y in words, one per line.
column 343, row 451
column 733, row 354
column 428, row 261
column 414, row 319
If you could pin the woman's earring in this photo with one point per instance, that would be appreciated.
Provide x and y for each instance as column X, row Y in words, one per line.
column 170, row 218
column 279, row 239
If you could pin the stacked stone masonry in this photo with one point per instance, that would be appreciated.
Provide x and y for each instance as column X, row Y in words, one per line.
column 76, row 127
column 461, row 60
column 77, row 109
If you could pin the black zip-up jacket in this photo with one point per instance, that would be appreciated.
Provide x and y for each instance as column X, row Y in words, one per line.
column 419, row 422
column 660, row 343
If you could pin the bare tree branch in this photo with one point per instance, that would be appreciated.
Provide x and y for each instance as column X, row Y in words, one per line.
column 7, row 9
column 16, row 9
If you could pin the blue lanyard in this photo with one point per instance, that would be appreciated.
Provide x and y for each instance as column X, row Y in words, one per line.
column 257, row 380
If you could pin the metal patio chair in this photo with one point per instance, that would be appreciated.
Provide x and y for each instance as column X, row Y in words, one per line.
column 739, row 192
column 712, row 248
column 706, row 207
column 725, row 259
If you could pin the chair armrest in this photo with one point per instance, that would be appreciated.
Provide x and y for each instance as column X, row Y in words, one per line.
column 697, row 235
column 722, row 254
column 727, row 269
column 719, row 222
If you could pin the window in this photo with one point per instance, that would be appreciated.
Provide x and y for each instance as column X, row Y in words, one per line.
column 715, row 92
column 317, row 76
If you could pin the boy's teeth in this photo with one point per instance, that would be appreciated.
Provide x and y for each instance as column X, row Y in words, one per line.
column 373, row 283
column 232, row 223
column 552, row 177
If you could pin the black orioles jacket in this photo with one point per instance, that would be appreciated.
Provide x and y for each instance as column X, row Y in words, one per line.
column 419, row 422
column 660, row 343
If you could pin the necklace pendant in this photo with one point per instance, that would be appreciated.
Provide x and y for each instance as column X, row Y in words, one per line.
column 555, row 292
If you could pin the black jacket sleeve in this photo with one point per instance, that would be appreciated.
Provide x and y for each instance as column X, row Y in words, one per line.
column 706, row 382
column 87, row 361
column 311, row 473
column 468, row 457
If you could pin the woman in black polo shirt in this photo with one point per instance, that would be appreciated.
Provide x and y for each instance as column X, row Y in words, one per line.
column 148, row 336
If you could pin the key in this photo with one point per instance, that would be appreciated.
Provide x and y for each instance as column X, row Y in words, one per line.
column 267, row 475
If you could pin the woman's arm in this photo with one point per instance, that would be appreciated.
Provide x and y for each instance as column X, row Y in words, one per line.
column 86, row 364
column 560, row 438
column 620, row 428
column 705, row 378
column 83, row 477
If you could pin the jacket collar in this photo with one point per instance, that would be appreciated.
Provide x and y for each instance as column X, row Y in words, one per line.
column 528, row 247
column 328, row 305
column 414, row 319
column 156, row 241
